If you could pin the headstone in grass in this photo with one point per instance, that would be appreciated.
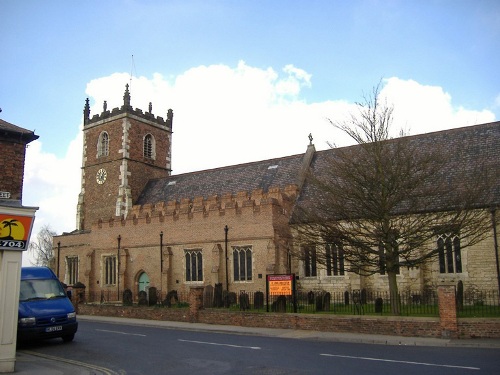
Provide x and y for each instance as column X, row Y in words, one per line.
column 127, row 297
column 326, row 301
column 244, row 301
column 218, row 295
column 319, row 302
column 279, row 305
column 208, row 295
column 152, row 296
column 143, row 298
column 258, row 300
column 310, row 297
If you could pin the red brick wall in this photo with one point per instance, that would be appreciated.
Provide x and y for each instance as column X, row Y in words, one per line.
column 12, row 167
column 399, row 326
column 139, row 171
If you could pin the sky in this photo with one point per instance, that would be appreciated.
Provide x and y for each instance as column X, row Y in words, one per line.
column 247, row 80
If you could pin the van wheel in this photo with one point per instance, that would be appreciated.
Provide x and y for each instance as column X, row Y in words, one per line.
column 68, row 338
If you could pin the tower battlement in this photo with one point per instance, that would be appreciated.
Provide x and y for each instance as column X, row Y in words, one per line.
column 126, row 108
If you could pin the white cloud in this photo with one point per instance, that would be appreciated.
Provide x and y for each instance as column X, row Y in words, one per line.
column 228, row 115
column 422, row 108
column 52, row 185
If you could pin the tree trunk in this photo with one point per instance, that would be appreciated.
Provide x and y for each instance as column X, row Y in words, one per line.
column 394, row 294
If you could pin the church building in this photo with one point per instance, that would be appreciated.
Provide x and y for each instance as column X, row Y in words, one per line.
column 140, row 226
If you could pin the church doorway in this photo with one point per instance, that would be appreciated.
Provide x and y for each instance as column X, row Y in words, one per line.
column 143, row 282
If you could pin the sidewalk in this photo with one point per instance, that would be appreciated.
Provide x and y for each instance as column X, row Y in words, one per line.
column 31, row 363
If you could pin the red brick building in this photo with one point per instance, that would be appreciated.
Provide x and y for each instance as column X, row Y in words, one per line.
column 138, row 226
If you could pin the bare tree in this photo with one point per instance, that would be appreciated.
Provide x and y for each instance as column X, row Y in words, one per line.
column 384, row 202
column 41, row 248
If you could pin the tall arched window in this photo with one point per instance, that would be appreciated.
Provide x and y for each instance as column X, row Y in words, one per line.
column 242, row 260
column 149, row 147
column 449, row 253
column 103, row 145
column 194, row 265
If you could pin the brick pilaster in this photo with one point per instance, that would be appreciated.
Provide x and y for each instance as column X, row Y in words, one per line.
column 447, row 311
column 195, row 303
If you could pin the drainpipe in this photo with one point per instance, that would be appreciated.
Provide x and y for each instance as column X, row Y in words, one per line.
column 58, row 257
column 119, row 238
column 226, row 229
column 161, row 259
column 495, row 243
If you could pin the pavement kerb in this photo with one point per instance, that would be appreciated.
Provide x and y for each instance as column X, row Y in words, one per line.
column 301, row 334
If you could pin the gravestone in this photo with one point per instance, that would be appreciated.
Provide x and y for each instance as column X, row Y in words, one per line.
column 231, row 297
column 310, row 297
column 379, row 305
column 208, row 296
column 244, row 301
column 172, row 295
column 326, row 301
column 258, row 300
column 153, row 296
column 218, row 299
column 279, row 305
column 143, row 298
column 319, row 302
column 127, row 297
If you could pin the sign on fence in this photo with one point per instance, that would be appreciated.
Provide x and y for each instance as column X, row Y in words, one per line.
column 283, row 287
column 280, row 285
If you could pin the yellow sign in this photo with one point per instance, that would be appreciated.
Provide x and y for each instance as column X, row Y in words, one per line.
column 15, row 231
column 280, row 285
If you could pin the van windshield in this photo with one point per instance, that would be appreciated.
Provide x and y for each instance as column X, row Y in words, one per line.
column 40, row 289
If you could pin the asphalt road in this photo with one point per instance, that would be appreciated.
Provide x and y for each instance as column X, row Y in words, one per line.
column 130, row 349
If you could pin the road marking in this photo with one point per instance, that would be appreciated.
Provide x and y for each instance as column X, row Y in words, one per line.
column 104, row 370
column 121, row 333
column 215, row 343
column 395, row 361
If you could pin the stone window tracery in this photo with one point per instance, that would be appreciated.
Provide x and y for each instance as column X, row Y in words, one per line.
column 103, row 145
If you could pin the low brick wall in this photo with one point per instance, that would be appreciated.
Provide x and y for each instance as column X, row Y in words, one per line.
column 399, row 326
column 384, row 325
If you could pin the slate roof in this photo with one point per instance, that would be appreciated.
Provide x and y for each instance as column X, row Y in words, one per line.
column 470, row 146
column 12, row 131
column 279, row 172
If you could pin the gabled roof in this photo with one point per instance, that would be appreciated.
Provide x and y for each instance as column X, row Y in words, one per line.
column 470, row 146
column 11, row 131
column 279, row 172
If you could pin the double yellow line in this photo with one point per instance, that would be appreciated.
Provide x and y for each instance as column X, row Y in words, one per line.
column 103, row 370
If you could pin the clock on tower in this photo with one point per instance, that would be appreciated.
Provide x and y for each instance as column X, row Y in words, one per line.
column 123, row 149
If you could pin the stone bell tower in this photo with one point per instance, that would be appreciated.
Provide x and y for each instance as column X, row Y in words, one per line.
column 122, row 150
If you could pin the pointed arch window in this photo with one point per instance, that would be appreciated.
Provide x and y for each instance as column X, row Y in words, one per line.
column 194, row 265
column 449, row 253
column 310, row 268
column 334, row 259
column 103, row 145
column 109, row 270
column 242, row 263
column 149, row 147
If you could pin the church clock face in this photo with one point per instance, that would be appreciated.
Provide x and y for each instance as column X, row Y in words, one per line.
column 101, row 176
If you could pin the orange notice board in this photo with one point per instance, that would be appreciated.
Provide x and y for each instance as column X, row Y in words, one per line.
column 15, row 231
column 280, row 285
